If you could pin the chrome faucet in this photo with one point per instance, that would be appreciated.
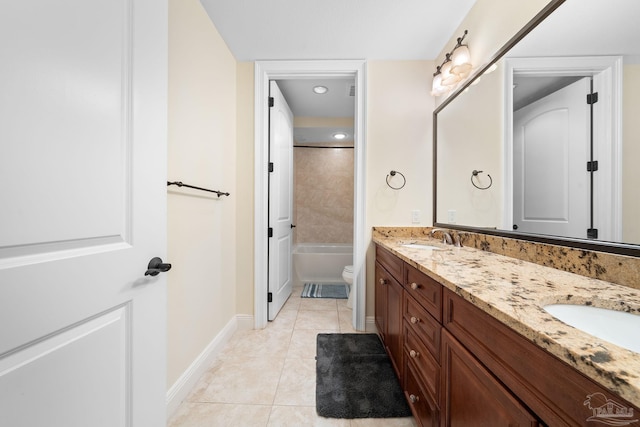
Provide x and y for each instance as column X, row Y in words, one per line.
column 446, row 237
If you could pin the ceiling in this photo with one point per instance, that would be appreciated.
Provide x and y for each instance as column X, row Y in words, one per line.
column 336, row 29
column 333, row 29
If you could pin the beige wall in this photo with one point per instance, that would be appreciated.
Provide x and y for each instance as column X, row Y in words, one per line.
column 202, row 151
column 244, row 191
column 399, row 136
column 631, row 154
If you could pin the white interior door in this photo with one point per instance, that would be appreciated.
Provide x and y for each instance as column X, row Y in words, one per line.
column 83, row 167
column 280, row 200
column 551, row 188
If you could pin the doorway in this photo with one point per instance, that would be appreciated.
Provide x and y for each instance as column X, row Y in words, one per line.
column 282, row 70
column 606, row 73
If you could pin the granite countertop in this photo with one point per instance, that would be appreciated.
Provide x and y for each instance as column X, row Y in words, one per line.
column 514, row 291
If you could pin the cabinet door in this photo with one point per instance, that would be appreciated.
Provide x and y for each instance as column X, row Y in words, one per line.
column 388, row 315
column 382, row 278
column 394, row 324
column 471, row 396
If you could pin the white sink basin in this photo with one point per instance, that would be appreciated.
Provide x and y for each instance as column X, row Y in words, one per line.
column 617, row 327
column 421, row 246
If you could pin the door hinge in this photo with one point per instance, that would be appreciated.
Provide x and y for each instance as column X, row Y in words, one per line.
column 270, row 166
column 270, row 232
column 592, row 233
column 592, row 98
column 270, row 297
column 592, row 166
column 271, row 101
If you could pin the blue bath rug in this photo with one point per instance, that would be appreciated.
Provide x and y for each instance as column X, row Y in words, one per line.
column 325, row 290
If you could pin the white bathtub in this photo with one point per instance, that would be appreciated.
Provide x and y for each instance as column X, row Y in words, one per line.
column 320, row 262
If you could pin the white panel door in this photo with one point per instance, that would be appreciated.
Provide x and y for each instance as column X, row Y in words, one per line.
column 82, row 211
column 551, row 188
column 280, row 200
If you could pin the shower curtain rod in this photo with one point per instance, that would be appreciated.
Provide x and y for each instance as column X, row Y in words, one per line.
column 180, row 184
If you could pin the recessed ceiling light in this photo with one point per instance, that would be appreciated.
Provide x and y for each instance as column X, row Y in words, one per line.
column 340, row 135
column 320, row 89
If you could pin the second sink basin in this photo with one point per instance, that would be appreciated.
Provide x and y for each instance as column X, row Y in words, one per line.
column 616, row 327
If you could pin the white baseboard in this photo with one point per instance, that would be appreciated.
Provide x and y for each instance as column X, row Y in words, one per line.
column 245, row 322
column 183, row 386
column 370, row 324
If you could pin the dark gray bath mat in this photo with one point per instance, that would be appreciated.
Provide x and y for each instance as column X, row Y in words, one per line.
column 325, row 290
column 355, row 379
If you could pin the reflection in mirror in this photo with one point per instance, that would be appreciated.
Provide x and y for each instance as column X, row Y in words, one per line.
column 529, row 125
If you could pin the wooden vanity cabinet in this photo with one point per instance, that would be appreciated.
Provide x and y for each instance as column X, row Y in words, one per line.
column 459, row 366
column 548, row 386
column 388, row 306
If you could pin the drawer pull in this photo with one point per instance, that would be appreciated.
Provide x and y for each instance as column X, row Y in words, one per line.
column 414, row 286
column 383, row 281
column 414, row 354
column 413, row 398
column 415, row 320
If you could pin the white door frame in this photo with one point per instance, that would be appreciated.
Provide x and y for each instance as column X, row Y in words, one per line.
column 264, row 71
column 608, row 194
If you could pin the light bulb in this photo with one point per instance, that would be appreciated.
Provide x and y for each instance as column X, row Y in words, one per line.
column 461, row 61
column 448, row 78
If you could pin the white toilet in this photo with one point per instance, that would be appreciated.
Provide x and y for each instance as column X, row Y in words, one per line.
column 347, row 276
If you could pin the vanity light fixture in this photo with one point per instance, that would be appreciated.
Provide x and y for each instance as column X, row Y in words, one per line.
column 456, row 66
column 320, row 90
column 339, row 135
column 437, row 88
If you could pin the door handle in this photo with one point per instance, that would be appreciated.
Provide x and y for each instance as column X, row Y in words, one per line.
column 156, row 266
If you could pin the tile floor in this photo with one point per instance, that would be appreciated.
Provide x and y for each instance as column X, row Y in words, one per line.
column 267, row 378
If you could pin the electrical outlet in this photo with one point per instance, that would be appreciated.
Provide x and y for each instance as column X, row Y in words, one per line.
column 451, row 216
column 415, row 216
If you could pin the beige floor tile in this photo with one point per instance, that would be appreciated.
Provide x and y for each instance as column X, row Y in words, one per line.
column 271, row 341
column 220, row 415
column 293, row 303
column 203, row 382
column 304, row 342
column 345, row 316
column 267, row 377
column 383, row 422
column 297, row 386
column 327, row 320
column 297, row 416
column 244, row 380
column 315, row 304
column 284, row 320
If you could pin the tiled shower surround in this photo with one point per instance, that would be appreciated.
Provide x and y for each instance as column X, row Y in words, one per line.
column 323, row 195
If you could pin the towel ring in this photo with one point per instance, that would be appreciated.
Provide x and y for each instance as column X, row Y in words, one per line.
column 393, row 173
column 475, row 173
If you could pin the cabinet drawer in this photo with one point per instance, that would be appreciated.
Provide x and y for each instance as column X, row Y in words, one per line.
column 425, row 290
column 390, row 262
column 425, row 364
column 423, row 406
column 425, row 327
